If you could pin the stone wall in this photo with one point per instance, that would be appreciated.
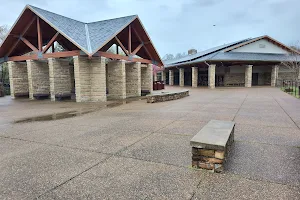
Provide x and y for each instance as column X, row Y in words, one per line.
column 133, row 79
column 147, row 77
column 234, row 79
column 90, row 80
column 116, row 79
column 18, row 78
column 60, row 77
column 38, row 78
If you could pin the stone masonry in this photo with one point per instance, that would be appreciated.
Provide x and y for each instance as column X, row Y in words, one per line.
column 171, row 77
column 18, row 78
column 211, row 76
column 38, row 78
column 60, row 77
column 181, row 77
column 90, row 79
column 133, row 79
column 163, row 76
column 147, row 77
column 194, row 77
column 211, row 145
column 116, row 79
column 248, row 75
column 274, row 75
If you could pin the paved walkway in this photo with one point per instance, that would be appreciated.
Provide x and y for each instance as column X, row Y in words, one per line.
column 141, row 151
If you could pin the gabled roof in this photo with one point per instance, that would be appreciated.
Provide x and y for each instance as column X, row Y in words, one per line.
column 223, row 53
column 88, row 37
column 203, row 53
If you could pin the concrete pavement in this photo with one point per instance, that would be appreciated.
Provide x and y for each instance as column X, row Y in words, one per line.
column 137, row 150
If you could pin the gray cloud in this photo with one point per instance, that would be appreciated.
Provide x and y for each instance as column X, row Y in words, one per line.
column 176, row 26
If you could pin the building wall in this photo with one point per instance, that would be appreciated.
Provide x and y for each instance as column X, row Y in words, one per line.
column 18, row 78
column 261, row 46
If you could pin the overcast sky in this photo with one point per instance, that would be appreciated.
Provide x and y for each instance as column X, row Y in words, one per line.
column 178, row 25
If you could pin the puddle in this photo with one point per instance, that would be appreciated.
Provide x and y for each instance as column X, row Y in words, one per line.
column 69, row 114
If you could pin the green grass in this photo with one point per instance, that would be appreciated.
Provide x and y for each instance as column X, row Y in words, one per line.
column 295, row 94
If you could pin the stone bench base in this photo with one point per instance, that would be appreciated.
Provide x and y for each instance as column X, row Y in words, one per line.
column 167, row 96
column 211, row 145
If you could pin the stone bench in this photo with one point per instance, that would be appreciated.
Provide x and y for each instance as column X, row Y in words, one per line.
column 166, row 96
column 62, row 96
column 39, row 96
column 211, row 145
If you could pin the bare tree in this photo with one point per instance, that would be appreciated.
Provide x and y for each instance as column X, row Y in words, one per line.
column 3, row 32
column 293, row 61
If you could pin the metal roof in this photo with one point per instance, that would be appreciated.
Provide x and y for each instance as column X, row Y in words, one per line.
column 203, row 53
column 89, row 36
column 220, row 54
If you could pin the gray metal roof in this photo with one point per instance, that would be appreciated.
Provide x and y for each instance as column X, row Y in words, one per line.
column 88, row 36
column 203, row 53
column 219, row 54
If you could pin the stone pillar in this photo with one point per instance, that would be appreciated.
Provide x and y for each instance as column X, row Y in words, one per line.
column 248, row 76
column 90, row 79
column 38, row 78
column 18, row 78
column 194, row 77
column 155, row 77
column 98, row 79
column 116, row 79
column 274, row 75
column 181, row 77
column 147, row 77
column 133, row 79
column 171, row 77
column 211, row 76
column 59, row 76
column 163, row 76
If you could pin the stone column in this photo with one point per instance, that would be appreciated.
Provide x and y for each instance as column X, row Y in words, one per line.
column 181, row 77
column 82, row 79
column 18, row 78
column 171, row 77
column 274, row 75
column 155, row 77
column 59, row 77
column 248, row 76
column 211, row 76
column 38, row 78
column 163, row 76
column 116, row 79
column 147, row 77
column 194, row 77
column 98, row 79
column 133, row 79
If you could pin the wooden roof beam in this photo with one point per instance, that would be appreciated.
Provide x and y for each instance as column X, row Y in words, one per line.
column 39, row 32
column 51, row 42
column 137, row 49
column 22, row 34
column 141, row 41
column 31, row 46
column 122, row 46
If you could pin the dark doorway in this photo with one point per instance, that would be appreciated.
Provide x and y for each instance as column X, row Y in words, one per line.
column 255, row 79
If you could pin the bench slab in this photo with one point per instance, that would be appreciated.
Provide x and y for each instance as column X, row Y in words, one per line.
column 211, row 145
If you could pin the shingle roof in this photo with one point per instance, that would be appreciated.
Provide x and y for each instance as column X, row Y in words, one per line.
column 88, row 36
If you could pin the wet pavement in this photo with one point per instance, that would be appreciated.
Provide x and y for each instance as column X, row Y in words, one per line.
column 134, row 150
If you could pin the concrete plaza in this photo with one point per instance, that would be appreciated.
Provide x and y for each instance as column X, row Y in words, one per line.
column 137, row 150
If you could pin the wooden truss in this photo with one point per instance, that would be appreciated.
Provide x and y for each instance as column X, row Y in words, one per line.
column 41, row 53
